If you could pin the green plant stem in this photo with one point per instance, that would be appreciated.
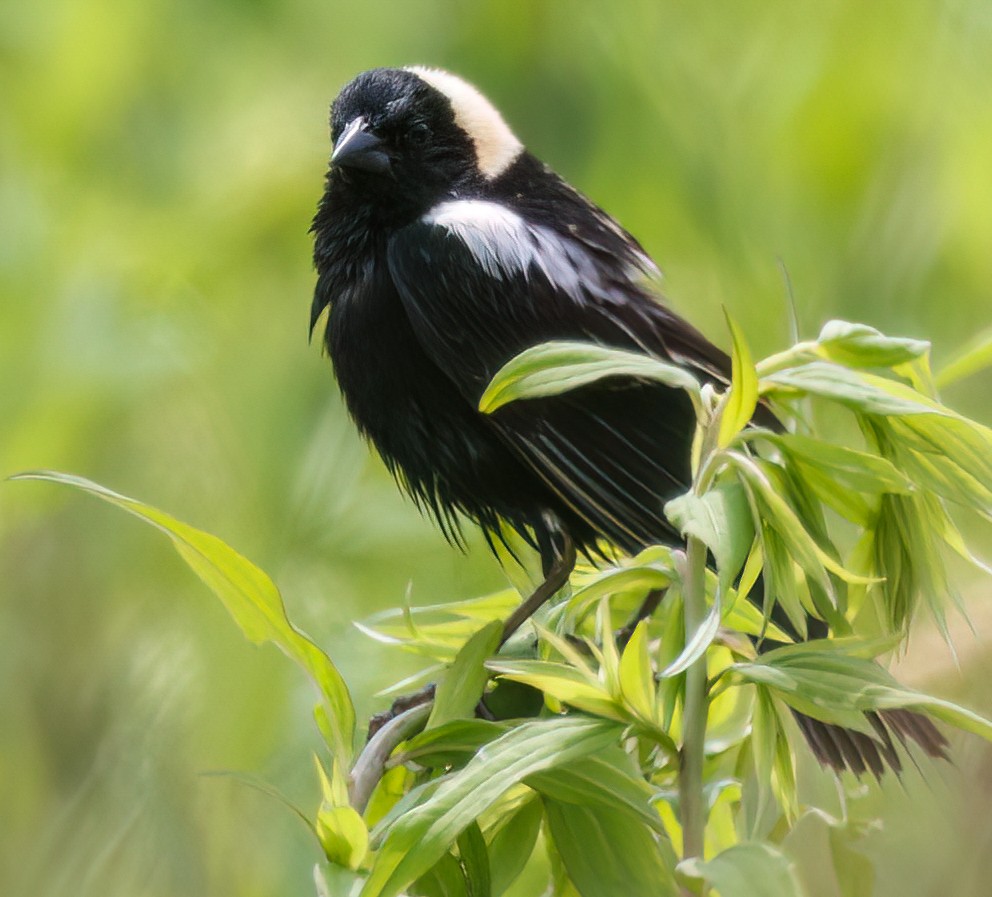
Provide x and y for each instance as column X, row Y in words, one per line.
column 691, row 799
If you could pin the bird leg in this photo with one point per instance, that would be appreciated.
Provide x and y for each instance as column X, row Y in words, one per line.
column 558, row 565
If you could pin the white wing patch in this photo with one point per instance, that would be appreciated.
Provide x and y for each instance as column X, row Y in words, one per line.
column 496, row 146
column 504, row 244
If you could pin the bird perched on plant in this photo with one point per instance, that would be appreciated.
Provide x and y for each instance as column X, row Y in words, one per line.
column 444, row 249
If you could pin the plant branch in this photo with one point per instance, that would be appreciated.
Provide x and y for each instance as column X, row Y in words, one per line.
column 371, row 763
column 692, row 807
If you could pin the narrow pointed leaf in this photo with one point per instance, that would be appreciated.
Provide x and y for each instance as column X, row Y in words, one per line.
column 742, row 398
column 636, row 675
column 562, row 682
column 863, row 392
column 420, row 837
column 473, row 857
column 832, row 686
column 620, row 579
column 974, row 358
column 860, row 471
column 696, row 647
column 460, row 690
column 247, row 593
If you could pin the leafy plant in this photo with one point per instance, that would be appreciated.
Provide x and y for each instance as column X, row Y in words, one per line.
column 660, row 761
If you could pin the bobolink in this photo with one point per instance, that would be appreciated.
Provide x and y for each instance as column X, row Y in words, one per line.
column 444, row 249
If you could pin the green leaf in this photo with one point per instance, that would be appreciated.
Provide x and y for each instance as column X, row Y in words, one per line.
column 561, row 884
column 847, row 646
column 742, row 398
column 907, row 549
column 697, row 644
column 745, row 617
column 249, row 595
column 950, row 442
column 855, row 872
column 445, row 879
column 953, row 538
column 749, row 575
column 607, row 854
column 340, row 828
column 849, row 503
column 452, row 743
column 774, row 765
column 974, row 358
column 395, row 783
column 415, row 797
column 835, row 688
column 857, row 390
column 564, row 683
column 420, row 837
column 611, row 582
column 824, row 702
column 335, row 881
column 779, row 515
column 671, row 645
column 781, row 586
column 568, row 650
column 749, row 869
column 637, row 677
column 940, row 475
column 556, row 367
column 461, row 689
column 608, row 780
column 343, row 835
column 722, row 520
column 511, row 846
column 473, row 857
column 606, row 650
column 861, row 346
column 846, row 467
column 438, row 631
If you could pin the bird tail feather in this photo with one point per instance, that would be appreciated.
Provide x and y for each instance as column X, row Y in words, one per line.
column 845, row 749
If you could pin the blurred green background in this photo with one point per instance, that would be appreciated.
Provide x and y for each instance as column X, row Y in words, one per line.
column 160, row 165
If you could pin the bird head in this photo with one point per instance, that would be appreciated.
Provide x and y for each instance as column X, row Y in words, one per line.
column 409, row 138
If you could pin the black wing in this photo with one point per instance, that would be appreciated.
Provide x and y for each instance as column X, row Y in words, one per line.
column 480, row 285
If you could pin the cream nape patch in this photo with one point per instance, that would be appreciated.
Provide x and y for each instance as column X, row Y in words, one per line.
column 496, row 146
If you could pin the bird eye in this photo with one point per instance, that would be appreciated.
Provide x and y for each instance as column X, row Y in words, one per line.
column 418, row 133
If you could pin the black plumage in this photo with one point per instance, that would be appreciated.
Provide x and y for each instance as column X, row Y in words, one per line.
column 444, row 249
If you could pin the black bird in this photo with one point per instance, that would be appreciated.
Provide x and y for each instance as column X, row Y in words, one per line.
column 444, row 249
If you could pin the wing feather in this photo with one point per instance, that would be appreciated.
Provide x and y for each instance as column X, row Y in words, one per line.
column 480, row 284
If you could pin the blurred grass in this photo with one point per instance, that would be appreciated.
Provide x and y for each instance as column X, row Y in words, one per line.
column 160, row 165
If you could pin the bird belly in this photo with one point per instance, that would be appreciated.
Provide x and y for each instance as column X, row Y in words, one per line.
column 440, row 448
